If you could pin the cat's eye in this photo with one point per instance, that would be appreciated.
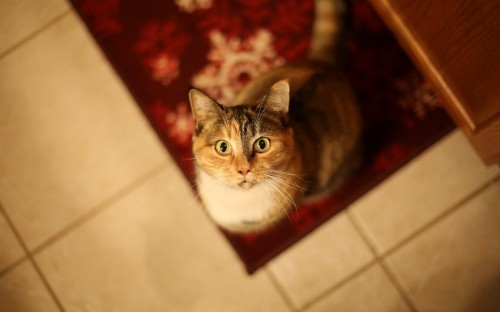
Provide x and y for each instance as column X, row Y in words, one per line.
column 223, row 148
column 262, row 145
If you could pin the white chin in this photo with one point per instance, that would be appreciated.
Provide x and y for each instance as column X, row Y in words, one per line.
column 247, row 208
column 245, row 185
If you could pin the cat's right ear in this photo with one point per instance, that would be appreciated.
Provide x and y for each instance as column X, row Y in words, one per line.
column 278, row 97
column 204, row 108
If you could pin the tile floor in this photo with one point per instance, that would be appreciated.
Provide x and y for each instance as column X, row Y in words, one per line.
column 94, row 215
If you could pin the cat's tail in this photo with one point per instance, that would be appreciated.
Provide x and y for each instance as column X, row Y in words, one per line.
column 328, row 42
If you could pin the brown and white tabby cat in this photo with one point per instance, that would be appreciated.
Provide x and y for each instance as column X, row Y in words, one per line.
column 290, row 133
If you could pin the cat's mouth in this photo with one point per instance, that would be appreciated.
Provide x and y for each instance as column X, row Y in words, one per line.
column 245, row 184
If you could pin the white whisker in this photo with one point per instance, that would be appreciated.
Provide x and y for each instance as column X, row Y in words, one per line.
column 216, row 187
column 280, row 172
column 280, row 204
column 290, row 183
column 286, row 196
column 287, row 178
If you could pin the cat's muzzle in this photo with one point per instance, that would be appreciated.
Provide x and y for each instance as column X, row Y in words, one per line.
column 245, row 184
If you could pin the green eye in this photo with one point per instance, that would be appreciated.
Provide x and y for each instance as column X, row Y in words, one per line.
column 223, row 148
column 262, row 145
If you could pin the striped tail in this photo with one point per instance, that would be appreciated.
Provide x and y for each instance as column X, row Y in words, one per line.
column 328, row 42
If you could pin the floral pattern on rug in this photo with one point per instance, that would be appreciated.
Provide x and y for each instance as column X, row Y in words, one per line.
column 162, row 48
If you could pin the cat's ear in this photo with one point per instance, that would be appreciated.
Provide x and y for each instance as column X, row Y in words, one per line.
column 204, row 108
column 278, row 97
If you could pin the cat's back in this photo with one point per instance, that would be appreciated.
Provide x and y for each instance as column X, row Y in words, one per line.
column 297, row 75
column 315, row 89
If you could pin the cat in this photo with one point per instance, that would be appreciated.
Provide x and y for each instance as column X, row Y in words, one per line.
column 290, row 133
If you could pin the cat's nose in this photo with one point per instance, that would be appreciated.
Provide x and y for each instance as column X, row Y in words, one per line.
column 244, row 171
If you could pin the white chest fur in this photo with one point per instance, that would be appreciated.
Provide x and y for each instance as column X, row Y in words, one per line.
column 234, row 208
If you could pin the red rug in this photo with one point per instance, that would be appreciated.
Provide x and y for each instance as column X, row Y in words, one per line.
column 160, row 48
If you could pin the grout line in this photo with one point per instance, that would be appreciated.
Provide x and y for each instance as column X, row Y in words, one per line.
column 281, row 290
column 395, row 281
column 454, row 208
column 363, row 234
column 442, row 216
column 35, row 33
column 379, row 258
column 13, row 265
column 30, row 257
column 333, row 288
column 326, row 292
column 100, row 207
column 406, row 297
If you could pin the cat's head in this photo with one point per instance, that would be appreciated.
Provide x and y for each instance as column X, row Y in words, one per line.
column 243, row 145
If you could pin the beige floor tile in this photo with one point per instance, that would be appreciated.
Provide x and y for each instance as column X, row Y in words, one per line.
column 154, row 250
column 21, row 289
column 321, row 260
column 432, row 183
column 20, row 18
column 370, row 291
column 455, row 265
column 70, row 134
column 10, row 248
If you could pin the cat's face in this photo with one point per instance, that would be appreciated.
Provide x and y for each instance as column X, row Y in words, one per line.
column 242, row 146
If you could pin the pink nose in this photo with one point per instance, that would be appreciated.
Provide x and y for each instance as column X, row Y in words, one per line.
column 244, row 171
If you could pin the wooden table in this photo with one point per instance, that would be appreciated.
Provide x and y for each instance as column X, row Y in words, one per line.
column 456, row 45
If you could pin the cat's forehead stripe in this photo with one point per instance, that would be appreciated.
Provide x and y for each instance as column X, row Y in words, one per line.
column 247, row 123
column 243, row 116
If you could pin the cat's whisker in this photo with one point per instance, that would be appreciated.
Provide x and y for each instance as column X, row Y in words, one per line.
column 193, row 187
column 281, row 206
column 194, row 200
column 290, row 197
column 219, row 187
column 216, row 187
column 288, row 174
column 288, row 182
column 188, row 159
column 197, row 192
column 278, row 188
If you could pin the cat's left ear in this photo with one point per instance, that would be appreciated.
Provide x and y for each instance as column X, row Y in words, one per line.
column 278, row 97
column 204, row 108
